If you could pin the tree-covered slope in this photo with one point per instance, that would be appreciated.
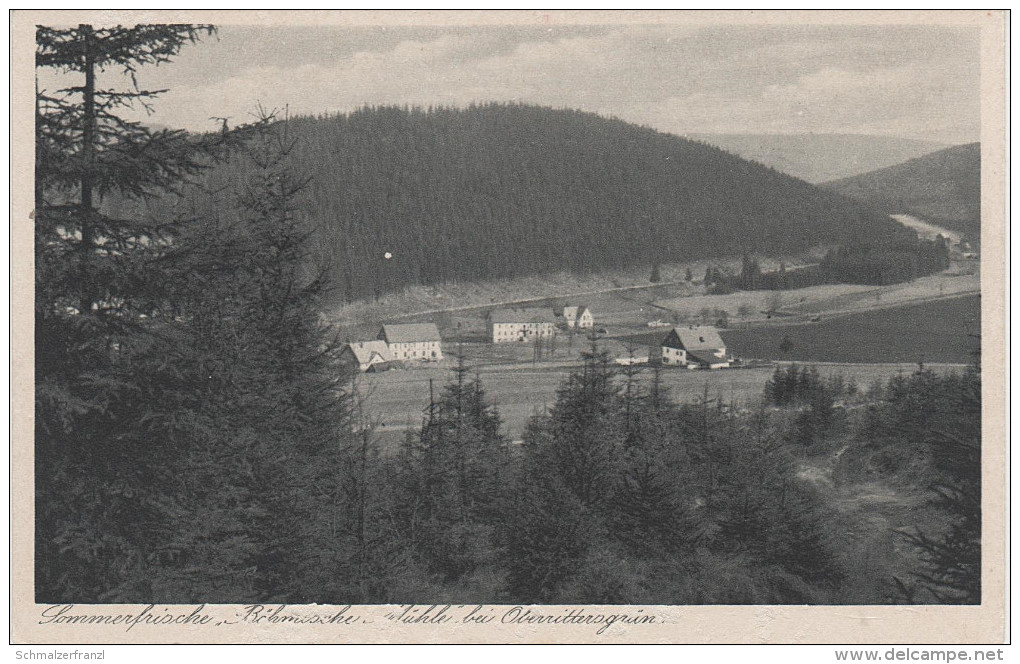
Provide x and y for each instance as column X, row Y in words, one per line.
column 501, row 191
column 943, row 187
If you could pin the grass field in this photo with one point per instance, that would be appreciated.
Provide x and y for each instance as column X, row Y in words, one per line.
column 962, row 278
column 618, row 297
column 397, row 400
column 937, row 331
column 627, row 312
column 867, row 346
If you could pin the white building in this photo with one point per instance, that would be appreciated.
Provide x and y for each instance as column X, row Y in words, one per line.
column 578, row 317
column 365, row 354
column 509, row 325
column 412, row 341
column 692, row 347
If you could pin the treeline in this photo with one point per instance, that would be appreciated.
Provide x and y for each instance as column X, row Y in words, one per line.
column 503, row 190
column 621, row 495
column 856, row 262
column 618, row 495
column 872, row 264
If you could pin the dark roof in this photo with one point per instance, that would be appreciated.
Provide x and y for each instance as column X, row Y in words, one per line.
column 671, row 340
column 407, row 333
column 706, row 357
column 528, row 315
column 700, row 338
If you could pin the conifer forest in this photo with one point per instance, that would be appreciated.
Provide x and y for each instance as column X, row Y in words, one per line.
column 196, row 440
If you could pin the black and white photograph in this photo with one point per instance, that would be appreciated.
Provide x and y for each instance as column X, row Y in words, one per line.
column 529, row 320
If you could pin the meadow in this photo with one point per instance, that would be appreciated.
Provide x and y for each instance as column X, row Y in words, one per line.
column 865, row 346
column 397, row 401
column 937, row 331
column 625, row 305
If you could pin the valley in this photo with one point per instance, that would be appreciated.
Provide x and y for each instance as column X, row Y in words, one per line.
column 865, row 334
column 942, row 187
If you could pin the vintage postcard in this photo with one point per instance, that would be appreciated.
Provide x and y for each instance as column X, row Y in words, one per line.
column 509, row 327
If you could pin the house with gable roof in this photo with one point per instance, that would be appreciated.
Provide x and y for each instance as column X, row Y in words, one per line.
column 578, row 318
column 365, row 354
column 698, row 347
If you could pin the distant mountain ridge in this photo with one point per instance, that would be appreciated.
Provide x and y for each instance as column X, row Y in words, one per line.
column 943, row 187
column 821, row 157
column 401, row 197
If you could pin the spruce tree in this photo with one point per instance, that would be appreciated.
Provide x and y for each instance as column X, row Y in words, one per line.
column 586, row 437
column 948, row 427
column 106, row 394
column 453, row 479
column 277, row 487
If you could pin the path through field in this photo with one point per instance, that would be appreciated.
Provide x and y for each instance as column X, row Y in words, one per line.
column 868, row 521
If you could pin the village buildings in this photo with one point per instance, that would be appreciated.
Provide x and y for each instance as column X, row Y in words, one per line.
column 692, row 347
column 412, row 341
column 394, row 345
column 509, row 325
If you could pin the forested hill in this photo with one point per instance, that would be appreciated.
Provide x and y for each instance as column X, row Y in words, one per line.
column 943, row 187
column 502, row 191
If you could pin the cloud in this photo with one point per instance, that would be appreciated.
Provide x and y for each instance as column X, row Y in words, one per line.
column 680, row 79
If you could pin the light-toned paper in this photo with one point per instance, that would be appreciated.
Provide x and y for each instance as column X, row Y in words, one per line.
column 41, row 624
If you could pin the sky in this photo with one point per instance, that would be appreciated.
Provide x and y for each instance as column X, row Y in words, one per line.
column 918, row 82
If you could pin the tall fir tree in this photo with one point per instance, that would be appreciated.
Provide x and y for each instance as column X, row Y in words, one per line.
column 455, row 470
column 275, row 481
column 188, row 415
column 105, row 395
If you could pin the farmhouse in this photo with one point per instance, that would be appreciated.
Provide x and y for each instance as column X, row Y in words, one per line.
column 508, row 325
column 692, row 347
column 578, row 317
column 365, row 354
column 412, row 341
